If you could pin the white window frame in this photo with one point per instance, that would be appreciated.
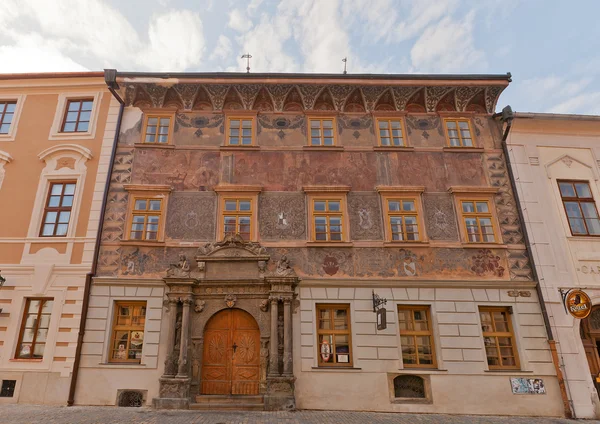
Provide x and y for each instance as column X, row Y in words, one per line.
column 12, row 130
column 63, row 98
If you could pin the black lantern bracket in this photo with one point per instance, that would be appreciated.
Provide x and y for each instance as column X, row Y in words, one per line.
column 378, row 301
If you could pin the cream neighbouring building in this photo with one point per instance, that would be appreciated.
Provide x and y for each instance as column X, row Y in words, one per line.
column 555, row 163
column 56, row 138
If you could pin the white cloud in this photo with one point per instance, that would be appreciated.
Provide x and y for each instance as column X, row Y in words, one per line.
column 19, row 59
column 239, row 21
column 176, row 41
column 448, row 46
column 588, row 103
column 222, row 50
column 98, row 33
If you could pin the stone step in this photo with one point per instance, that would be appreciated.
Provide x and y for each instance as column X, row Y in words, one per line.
column 227, row 406
column 229, row 399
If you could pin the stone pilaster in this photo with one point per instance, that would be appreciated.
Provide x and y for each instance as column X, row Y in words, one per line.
column 274, row 355
column 287, row 336
column 182, row 370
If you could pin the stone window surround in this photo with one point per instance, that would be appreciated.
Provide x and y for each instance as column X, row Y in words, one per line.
column 390, row 116
column 458, row 116
column 12, row 131
column 158, row 113
column 322, row 115
column 426, row 381
column 329, row 193
column 147, row 191
column 460, row 193
column 240, row 114
column 11, row 340
column 63, row 98
column 109, row 331
column 415, row 192
column 235, row 191
column 50, row 174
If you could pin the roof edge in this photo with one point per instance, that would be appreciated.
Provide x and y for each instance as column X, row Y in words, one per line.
column 236, row 75
column 42, row 75
column 556, row 116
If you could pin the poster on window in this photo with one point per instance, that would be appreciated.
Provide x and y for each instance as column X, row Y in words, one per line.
column 527, row 386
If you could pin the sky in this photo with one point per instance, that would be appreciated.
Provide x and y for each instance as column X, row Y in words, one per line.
column 551, row 47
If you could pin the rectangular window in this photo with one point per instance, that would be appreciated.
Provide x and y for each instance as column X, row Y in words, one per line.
column 237, row 217
column 391, row 132
column 328, row 219
column 416, row 337
column 34, row 329
column 7, row 113
column 240, row 131
column 402, row 219
column 157, row 129
column 146, row 218
column 322, row 132
column 499, row 338
column 57, row 212
column 580, row 208
column 77, row 115
column 334, row 335
column 477, row 218
column 459, row 132
column 128, row 332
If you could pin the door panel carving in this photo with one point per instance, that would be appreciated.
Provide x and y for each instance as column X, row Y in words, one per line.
column 231, row 358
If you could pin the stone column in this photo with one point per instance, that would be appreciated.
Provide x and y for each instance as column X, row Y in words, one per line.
column 185, row 330
column 287, row 336
column 170, row 362
column 274, row 355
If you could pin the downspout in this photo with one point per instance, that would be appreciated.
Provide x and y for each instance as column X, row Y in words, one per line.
column 110, row 79
column 507, row 116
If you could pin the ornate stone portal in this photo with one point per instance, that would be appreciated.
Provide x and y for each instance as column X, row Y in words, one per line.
column 228, row 275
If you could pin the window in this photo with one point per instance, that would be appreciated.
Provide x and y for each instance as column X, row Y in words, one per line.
column 128, row 332
column 158, row 129
column 240, row 131
column 146, row 218
column 333, row 334
column 580, row 208
column 322, row 131
column 328, row 220
column 478, row 221
column 34, row 329
column 57, row 212
column 498, row 338
column 7, row 113
column 459, row 132
column 8, row 388
column 237, row 217
column 77, row 116
column 402, row 219
column 391, row 132
column 416, row 337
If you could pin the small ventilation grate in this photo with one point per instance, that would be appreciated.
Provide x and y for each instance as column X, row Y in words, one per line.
column 131, row 398
column 8, row 388
column 409, row 386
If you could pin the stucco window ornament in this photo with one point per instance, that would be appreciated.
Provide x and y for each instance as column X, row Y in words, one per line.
column 181, row 269
column 4, row 159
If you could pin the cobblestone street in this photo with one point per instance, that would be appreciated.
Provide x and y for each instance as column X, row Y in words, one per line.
column 34, row 414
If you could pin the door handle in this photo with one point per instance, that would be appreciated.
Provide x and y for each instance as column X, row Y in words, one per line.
column 234, row 347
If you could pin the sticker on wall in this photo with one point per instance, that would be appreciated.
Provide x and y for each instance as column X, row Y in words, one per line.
column 527, row 386
column 577, row 303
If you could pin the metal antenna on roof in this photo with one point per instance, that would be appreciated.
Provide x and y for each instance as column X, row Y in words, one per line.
column 345, row 60
column 247, row 56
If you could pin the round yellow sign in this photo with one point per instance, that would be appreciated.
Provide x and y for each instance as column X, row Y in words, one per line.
column 578, row 303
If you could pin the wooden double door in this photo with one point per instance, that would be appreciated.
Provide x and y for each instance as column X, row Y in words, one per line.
column 231, row 357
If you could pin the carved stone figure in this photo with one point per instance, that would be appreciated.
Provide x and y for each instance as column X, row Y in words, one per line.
column 231, row 240
column 230, row 300
column 180, row 269
column 199, row 305
column 283, row 267
column 178, row 332
column 264, row 305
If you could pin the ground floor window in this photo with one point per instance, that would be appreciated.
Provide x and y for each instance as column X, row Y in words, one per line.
column 34, row 328
column 499, row 338
column 334, row 335
column 416, row 336
column 128, row 332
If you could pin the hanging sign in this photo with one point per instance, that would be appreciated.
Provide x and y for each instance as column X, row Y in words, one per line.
column 577, row 303
column 381, row 319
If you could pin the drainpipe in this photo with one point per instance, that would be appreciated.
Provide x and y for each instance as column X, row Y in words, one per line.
column 110, row 77
column 507, row 116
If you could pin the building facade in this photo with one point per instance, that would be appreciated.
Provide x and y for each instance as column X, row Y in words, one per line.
column 554, row 161
column 252, row 219
column 56, row 135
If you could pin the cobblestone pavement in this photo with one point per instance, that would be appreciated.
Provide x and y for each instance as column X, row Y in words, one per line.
column 34, row 414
